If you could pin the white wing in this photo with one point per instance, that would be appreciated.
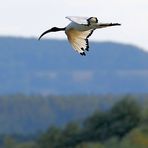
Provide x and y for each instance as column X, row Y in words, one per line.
column 79, row 40
column 78, row 20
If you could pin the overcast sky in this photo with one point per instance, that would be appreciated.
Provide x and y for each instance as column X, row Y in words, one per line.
column 30, row 18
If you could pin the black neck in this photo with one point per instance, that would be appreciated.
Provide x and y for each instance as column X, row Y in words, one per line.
column 57, row 29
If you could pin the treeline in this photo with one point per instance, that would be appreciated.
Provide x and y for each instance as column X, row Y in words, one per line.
column 99, row 127
column 125, row 125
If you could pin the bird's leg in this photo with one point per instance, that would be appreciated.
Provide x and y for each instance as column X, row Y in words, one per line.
column 103, row 25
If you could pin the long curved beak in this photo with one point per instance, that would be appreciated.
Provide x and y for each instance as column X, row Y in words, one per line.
column 44, row 33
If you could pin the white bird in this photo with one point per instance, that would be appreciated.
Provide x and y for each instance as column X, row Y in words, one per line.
column 79, row 30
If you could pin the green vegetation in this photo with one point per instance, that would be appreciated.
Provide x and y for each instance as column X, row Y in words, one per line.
column 124, row 125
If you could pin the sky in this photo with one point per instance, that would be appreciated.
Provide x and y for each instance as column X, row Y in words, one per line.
column 29, row 18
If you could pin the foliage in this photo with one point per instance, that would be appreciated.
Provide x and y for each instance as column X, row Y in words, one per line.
column 50, row 138
column 124, row 125
column 124, row 116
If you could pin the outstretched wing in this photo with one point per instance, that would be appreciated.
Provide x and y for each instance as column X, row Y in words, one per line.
column 83, row 20
column 78, row 20
column 79, row 40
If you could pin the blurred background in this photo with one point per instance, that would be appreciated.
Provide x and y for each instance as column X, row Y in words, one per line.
column 52, row 97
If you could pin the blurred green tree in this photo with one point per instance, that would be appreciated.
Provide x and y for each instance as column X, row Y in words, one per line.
column 124, row 116
column 70, row 135
column 50, row 139
column 9, row 142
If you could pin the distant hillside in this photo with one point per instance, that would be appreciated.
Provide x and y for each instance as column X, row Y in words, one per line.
column 30, row 114
column 52, row 67
column 22, row 114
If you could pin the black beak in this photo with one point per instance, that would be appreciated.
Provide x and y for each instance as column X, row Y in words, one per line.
column 44, row 33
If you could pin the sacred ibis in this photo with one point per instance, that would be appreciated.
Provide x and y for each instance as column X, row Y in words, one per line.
column 79, row 30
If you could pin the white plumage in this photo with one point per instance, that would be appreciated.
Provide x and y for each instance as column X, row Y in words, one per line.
column 79, row 30
column 78, row 19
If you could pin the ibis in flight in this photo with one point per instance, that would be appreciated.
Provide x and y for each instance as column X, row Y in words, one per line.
column 79, row 30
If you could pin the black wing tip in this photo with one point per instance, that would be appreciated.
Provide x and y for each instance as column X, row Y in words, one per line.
column 83, row 53
column 87, row 47
column 87, row 43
